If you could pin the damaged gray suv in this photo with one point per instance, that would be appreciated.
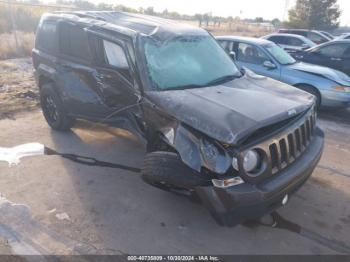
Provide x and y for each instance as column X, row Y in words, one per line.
column 240, row 143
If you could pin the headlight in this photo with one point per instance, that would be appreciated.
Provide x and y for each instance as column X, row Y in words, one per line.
column 209, row 152
column 214, row 157
column 341, row 88
column 251, row 161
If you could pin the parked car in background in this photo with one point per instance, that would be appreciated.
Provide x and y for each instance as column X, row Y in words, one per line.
column 343, row 36
column 330, row 36
column 334, row 54
column 289, row 42
column 329, row 86
column 313, row 35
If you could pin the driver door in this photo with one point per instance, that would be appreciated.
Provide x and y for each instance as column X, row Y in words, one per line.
column 116, row 81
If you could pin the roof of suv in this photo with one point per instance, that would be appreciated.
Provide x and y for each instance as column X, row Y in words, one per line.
column 300, row 30
column 128, row 23
column 286, row 35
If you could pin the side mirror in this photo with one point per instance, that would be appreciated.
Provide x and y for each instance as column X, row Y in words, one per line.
column 232, row 54
column 269, row 65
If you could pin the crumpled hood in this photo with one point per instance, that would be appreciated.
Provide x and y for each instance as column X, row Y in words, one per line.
column 322, row 71
column 231, row 111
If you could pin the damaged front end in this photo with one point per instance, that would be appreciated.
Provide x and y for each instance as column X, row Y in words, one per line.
column 241, row 143
column 256, row 176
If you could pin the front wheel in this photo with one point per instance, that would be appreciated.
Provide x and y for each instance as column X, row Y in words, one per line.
column 53, row 109
column 165, row 170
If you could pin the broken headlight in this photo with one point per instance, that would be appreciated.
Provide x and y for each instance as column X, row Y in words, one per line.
column 251, row 161
column 214, row 156
column 209, row 152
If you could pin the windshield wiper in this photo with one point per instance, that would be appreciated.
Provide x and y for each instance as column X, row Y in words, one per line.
column 184, row 87
column 221, row 80
column 217, row 81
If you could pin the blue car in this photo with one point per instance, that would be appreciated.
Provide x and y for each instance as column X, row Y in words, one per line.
column 331, row 87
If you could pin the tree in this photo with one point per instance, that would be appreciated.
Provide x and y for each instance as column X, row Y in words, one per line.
column 276, row 22
column 314, row 14
column 206, row 18
column 199, row 18
column 150, row 11
column 259, row 20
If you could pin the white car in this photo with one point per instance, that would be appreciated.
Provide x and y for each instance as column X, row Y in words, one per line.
column 344, row 36
column 290, row 42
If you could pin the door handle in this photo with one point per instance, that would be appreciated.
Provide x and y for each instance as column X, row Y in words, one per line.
column 335, row 59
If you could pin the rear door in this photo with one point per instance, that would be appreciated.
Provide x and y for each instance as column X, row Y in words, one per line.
column 75, row 77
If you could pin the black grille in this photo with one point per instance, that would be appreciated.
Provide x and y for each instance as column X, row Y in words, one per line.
column 285, row 150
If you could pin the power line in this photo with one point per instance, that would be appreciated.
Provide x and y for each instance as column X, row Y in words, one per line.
column 38, row 5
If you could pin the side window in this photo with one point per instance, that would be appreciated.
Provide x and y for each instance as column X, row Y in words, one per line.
column 277, row 39
column 297, row 32
column 293, row 41
column 227, row 45
column 115, row 55
column 315, row 37
column 250, row 54
column 73, row 42
column 46, row 38
column 333, row 50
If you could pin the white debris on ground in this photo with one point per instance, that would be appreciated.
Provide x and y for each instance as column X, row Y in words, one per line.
column 62, row 216
column 14, row 154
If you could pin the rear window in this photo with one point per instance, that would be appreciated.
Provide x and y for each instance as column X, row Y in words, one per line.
column 74, row 42
column 46, row 37
column 315, row 37
column 277, row 39
column 293, row 41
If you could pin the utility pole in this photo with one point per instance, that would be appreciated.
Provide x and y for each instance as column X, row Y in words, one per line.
column 14, row 28
column 285, row 9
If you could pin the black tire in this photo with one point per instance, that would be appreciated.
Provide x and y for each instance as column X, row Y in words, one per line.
column 313, row 91
column 165, row 170
column 53, row 109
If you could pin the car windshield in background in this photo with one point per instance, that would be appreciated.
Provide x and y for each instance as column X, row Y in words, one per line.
column 280, row 55
column 188, row 62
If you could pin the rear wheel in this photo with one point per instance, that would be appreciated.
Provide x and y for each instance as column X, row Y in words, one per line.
column 312, row 90
column 53, row 109
column 166, row 171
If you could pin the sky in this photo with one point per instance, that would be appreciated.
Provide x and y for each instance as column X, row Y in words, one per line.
column 268, row 9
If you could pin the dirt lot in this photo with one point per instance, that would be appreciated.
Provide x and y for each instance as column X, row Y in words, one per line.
column 51, row 205
column 18, row 91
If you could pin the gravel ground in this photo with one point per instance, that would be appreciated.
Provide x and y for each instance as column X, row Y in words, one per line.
column 18, row 91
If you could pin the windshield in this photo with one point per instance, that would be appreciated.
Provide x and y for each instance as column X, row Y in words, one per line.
column 188, row 62
column 280, row 55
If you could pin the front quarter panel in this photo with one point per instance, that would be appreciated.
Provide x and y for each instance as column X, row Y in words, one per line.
column 295, row 77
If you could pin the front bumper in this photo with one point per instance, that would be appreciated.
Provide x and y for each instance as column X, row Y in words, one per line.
column 335, row 99
column 234, row 205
